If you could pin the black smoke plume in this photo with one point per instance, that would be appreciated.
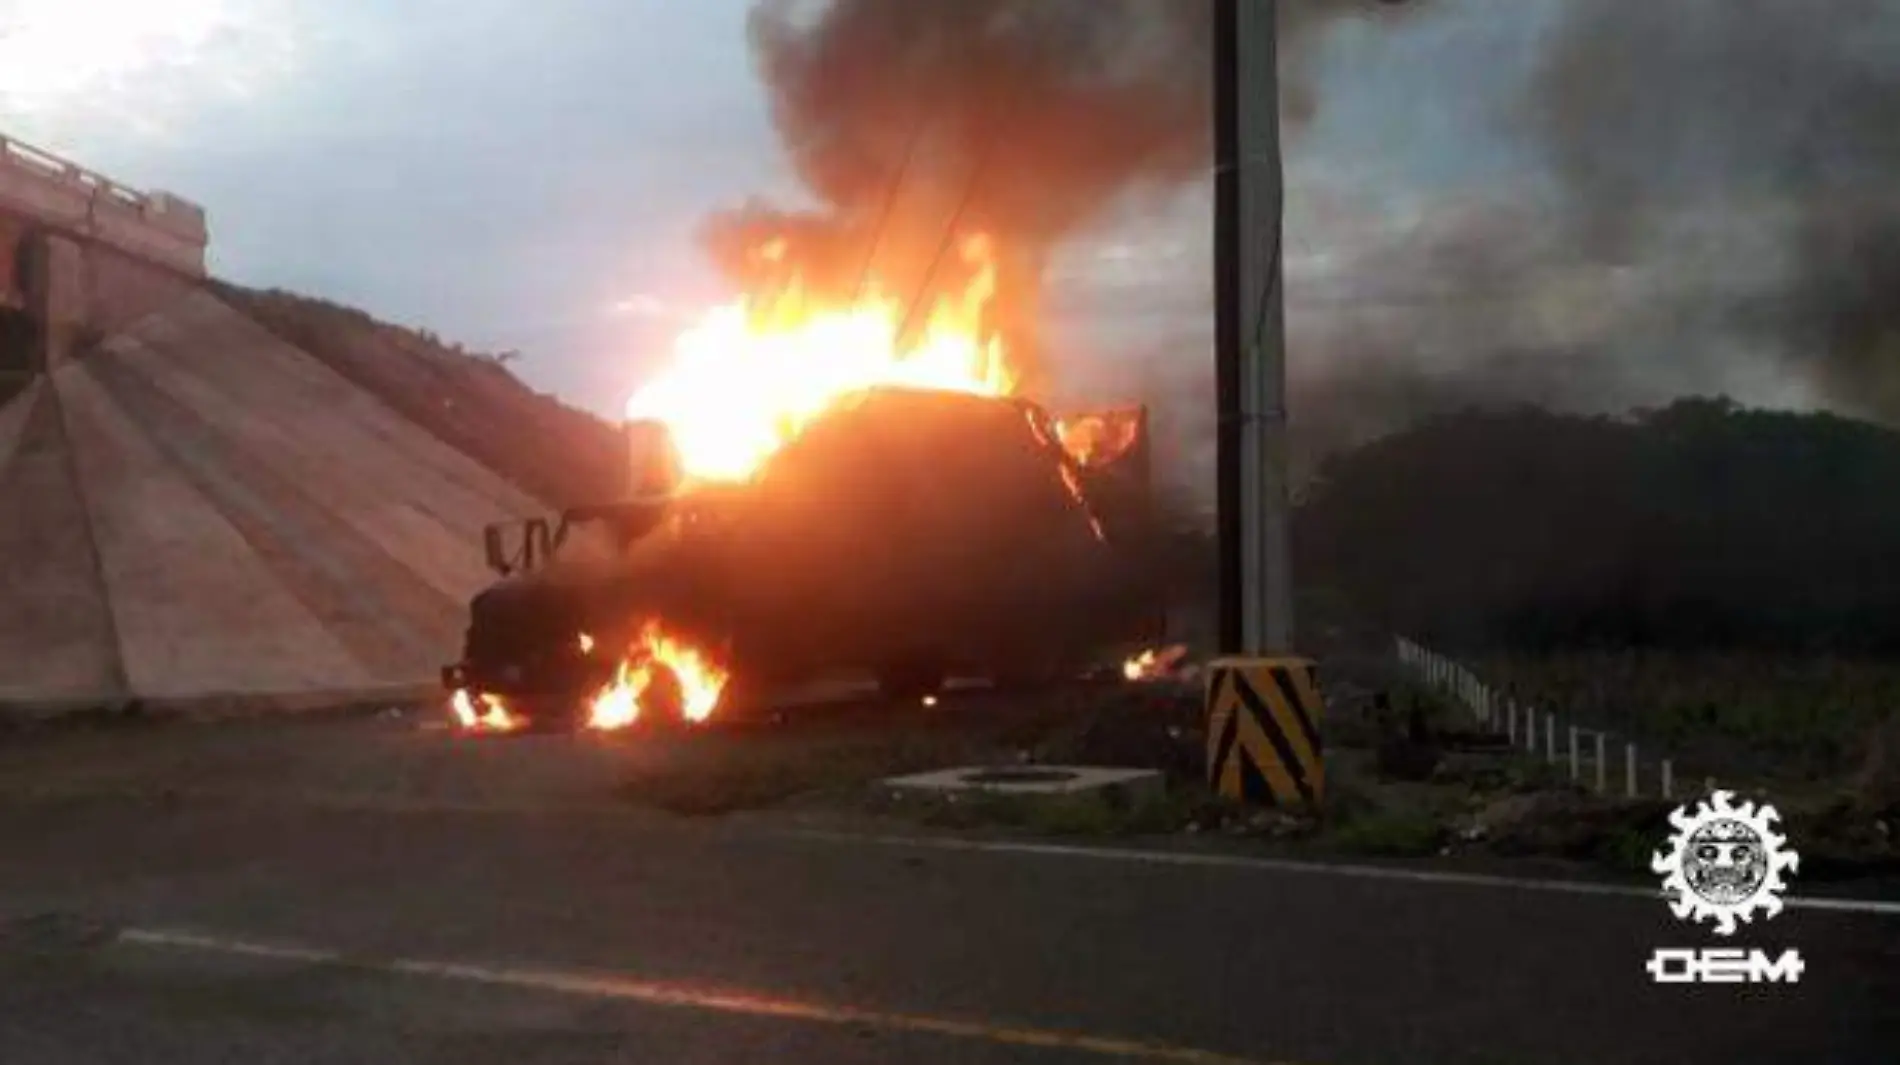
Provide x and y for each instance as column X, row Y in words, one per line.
column 1723, row 220
column 1774, row 114
column 1023, row 119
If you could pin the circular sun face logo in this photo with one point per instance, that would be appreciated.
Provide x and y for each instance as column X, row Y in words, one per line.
column 1725, row 861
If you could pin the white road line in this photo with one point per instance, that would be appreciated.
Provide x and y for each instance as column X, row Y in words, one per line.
column 1876, row 907
column 626, row 988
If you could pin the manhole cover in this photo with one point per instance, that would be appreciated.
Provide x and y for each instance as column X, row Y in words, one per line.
column 1019, row 776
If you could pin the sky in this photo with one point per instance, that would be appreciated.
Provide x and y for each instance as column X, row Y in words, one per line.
column 528, row 176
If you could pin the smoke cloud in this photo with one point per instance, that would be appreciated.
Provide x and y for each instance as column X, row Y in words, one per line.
column 1776, row 113
column 1721, row 219
column 1024, row 119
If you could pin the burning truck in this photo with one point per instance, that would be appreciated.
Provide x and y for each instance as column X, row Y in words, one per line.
column 818, row 489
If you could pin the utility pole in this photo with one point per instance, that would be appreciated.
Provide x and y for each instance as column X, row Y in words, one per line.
column 1256, row 594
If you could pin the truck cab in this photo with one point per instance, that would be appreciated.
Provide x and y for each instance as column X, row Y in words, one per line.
column 906, row 535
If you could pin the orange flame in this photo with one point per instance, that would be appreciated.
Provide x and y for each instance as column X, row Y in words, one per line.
column 753, row 373
column 1154, row 664
column 1098, row 439
column 619, row 703
column 482, row 713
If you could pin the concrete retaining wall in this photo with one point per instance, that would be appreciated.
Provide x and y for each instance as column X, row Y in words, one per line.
column 193, row 509
column 56, row 638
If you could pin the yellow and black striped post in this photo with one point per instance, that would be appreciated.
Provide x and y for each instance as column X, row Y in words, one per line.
column 1263, row 742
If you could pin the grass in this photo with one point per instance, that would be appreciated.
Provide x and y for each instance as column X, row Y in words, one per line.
column 1525, row 808
column 1775, row 716
column 1627, row 850
column 1391, row 833
column 712, row 774
column 724, row 770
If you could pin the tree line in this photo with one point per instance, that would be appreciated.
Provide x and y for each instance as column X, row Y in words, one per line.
column 1703, row 525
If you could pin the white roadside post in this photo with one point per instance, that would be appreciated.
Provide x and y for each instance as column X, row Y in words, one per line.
column 1629, row 769
column 1576, row 771
column 1510, row 722
column 1550, row 737
column 1668, row 779
column 1603, row 769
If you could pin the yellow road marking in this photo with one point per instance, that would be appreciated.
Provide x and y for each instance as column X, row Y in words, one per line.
column 683, row 996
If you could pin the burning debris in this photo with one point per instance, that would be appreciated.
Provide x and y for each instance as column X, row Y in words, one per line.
column 482, row 713
column 660, row 675
column 642, row 679
column 1155, row 664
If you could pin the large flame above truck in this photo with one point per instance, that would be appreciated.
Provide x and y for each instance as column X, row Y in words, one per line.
column 755, row 372
column 819, row 487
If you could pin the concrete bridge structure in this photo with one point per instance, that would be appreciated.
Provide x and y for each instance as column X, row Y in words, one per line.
column 57, row 220
column 194, row 509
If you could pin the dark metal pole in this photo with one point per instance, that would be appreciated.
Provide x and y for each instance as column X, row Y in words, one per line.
column 1228, row 313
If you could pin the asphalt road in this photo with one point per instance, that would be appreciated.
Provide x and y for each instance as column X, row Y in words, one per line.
column 282, row 929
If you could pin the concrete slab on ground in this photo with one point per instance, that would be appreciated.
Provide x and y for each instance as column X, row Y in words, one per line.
column 1031, row 781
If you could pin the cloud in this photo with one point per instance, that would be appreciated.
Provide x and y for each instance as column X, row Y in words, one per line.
column 500, row 172
column 644, row 305
column 72, row 70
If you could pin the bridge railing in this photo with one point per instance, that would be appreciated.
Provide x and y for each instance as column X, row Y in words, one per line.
column 1610, row 761
column 47, row 165
column 151, row 224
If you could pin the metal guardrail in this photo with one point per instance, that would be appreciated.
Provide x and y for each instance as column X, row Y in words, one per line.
column 1536, row 732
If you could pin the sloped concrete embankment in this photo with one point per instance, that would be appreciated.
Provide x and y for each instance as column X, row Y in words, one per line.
column 201, row 513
